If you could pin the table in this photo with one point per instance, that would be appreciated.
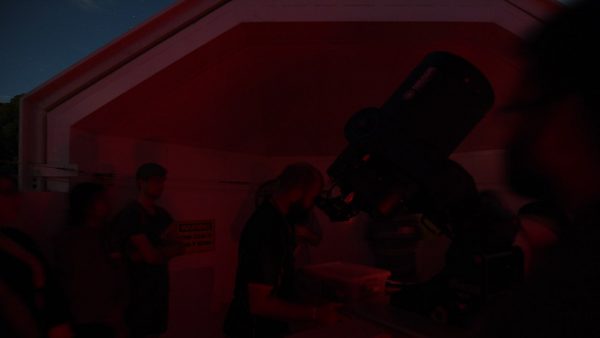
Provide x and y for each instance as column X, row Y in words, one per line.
column 375, row 318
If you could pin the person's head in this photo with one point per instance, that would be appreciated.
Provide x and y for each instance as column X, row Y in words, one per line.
column 151, row 179
column 556, row 152
column 300, row 184
column 9, row 200
column 88, row 202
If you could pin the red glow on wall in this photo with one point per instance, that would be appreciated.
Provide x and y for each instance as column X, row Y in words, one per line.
column 288, row 88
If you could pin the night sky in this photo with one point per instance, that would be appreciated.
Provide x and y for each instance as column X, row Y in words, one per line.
column 40, row 38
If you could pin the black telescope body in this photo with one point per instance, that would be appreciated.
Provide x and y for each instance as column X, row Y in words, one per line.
column 397, row 155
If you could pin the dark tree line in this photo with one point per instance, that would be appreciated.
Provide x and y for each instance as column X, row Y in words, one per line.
column 9, row 135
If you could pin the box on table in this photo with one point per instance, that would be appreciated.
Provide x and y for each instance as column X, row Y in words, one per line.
column 344, row 282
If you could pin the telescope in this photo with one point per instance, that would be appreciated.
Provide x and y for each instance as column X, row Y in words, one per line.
column 397, row 161
column 396, row 151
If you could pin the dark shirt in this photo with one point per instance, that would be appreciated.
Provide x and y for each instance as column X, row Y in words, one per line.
column 147, row 312
column 47, row 304
column 134, row 219
column 265, row 256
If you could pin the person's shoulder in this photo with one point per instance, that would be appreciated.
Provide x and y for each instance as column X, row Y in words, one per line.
column 131, row 208
column 75, row 233
column 269, row 208
column 266, row 212
column 265, row 219
column 163, row 211
column 127, row 218
column 132, row 205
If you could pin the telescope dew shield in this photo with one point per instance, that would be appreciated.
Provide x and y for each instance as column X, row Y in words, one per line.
column 406, row 141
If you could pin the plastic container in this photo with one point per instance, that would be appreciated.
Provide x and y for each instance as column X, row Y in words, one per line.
column 345, row 282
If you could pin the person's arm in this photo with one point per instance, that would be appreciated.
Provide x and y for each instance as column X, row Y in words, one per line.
column 170, row 233
column 17, row 315
column 53, row 302
column 148, row 253
column 263, row 303
column 61, row 331
column 173, row 247
column 260, row 258
column 304, row 233
column 172, row 250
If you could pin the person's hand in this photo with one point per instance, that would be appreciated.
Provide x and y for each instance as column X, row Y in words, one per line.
column 171, row 234
column 61, row 331
column 303, row 233
column 328, row 314
column 173, row 249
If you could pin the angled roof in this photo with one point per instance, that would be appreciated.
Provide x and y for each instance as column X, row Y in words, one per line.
column 275, row 77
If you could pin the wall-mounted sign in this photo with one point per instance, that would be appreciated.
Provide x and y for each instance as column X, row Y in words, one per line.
column 197, row 236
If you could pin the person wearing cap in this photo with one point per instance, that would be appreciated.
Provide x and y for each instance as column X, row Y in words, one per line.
column 140, row 234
